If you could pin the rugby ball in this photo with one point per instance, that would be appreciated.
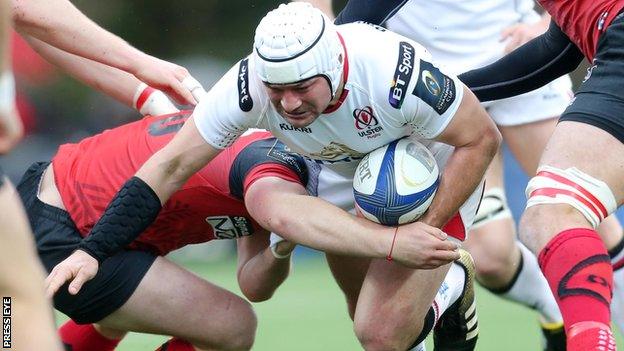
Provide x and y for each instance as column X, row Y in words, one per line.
column 396, row 183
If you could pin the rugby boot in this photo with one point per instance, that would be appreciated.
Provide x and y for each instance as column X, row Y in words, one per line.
column 458, row 328
column 554, row 337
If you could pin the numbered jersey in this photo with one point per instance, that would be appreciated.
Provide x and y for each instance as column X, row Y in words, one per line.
column 209, row 206
column 391, row 90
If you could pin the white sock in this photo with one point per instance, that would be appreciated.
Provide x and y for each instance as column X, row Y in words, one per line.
column 450, row 290
column 617, row 303
column 531, row 288
column 419, row 347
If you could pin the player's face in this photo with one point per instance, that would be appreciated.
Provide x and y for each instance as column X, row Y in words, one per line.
column 300, row 103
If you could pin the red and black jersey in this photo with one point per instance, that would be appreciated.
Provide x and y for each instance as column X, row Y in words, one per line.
column 208, row 206
column 583, row 20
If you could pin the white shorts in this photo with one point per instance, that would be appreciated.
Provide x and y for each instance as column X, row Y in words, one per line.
column 544, row 103
column 337, row 189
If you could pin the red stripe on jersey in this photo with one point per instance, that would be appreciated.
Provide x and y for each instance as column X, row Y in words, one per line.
column 553, row 192
column 264, row 170
column 587, row 194
column 143, row 97
column 455, row 227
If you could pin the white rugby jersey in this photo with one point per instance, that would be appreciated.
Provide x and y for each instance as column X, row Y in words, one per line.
column 464, row 34
column 391, row 90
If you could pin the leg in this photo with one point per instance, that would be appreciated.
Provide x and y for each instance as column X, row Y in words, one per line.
column 349, row 273
column 572, row 256
column 492, row 241
column 21, row 278
column 394, row 293
column 172, row 301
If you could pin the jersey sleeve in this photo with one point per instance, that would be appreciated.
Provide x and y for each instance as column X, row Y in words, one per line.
column 233, row 105
column 430, row 97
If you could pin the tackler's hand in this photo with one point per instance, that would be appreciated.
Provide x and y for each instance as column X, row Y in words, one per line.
column 77, row 269
column 421, row 246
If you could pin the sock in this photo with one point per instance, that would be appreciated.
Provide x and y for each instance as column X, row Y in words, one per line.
column 84, row 337
column 176, row 344
column 530, row 288
column 617, row 304
column 420, row 347
column 577, row 267
column 450, row 291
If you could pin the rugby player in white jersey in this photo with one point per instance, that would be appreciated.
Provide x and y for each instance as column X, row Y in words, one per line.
column 474, row 33
column 334, row 94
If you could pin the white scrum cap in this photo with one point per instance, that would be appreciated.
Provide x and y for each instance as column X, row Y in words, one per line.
column 295, row 42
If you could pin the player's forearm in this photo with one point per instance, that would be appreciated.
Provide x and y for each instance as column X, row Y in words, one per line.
column 527, row 68
column 260, row 277
column 326, row 227
column 462, row 174
column 111, row 81
column 60, row 24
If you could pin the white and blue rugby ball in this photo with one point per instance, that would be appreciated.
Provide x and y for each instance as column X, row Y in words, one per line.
column 396, row 183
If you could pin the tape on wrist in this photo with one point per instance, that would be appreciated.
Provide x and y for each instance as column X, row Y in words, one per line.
column 153, row 102
column 274, row 240
column 7, row 93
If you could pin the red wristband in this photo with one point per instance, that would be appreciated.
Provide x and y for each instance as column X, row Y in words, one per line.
column 389, row 257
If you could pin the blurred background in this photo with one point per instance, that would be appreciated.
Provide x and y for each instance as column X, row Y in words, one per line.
column 207, row 37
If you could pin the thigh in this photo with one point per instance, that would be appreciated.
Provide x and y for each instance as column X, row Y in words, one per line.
column 589, row 149
column 394, row 293
column 527, row 141
column 349, row 273
column 173, row 301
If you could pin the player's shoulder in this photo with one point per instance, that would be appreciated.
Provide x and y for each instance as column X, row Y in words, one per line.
column 381, row 62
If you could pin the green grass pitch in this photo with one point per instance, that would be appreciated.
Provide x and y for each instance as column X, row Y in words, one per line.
column 308, row 313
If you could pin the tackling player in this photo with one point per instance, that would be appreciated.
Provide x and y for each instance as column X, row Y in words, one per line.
column 324, row 91
column 256, row 176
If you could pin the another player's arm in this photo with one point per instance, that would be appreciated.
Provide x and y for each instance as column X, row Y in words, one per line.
column 285, row 208
column 370, row 11
column 135, row 206
column 259, row 271
column 77, row 34
column 120, row 85
column 532, row 65
column 11, row 129
column 476, row 140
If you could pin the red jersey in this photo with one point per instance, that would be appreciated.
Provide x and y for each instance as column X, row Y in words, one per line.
column 209, row 206
column 583, row 20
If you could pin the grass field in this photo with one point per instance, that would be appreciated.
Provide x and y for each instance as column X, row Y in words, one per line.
column 308, row 313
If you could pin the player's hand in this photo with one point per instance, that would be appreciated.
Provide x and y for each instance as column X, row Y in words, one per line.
column 421, row 246
column 173, row 80
column 78, row 268
column 520, row 33
column 11, row 130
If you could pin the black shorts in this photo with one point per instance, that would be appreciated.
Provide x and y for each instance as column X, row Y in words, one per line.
column 600, row 99
column 57, row 237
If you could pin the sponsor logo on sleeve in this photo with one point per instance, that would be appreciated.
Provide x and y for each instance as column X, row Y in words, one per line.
column 434, row 87
column 244, row 98
column 402, row 75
